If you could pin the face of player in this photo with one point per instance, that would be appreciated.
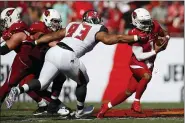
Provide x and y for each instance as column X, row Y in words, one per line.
column 146, row 25
column 55, row 24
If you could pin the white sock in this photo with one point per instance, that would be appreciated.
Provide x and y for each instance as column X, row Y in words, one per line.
column 42, row 103
column 136, row 100
column 26, row 87
column 53, row 97
column 80, row 103
column 109, row 105
column 18, row 90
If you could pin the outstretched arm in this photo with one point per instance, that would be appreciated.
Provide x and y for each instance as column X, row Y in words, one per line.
column 110, row 39
column 12, row 43
column 51, row 37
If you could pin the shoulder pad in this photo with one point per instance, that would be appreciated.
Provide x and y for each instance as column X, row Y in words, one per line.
column 156, row 24
column 18, row 27
column 38, row 27
column 133, row 31
column 6, row 35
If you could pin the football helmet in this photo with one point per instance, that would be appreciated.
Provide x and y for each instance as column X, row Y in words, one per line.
column 52, row 19
column 141, row 19
column 8, row 17
column 92, row 17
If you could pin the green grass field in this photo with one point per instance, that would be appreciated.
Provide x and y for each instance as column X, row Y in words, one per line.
column 22, row 113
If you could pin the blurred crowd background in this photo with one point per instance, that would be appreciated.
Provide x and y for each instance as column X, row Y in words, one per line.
column 116, row 15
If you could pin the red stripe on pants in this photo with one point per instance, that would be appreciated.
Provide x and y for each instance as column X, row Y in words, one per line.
column 120, row 74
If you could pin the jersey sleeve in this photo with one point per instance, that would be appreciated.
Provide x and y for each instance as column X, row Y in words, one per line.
column 18, row 27
column 37, row 27
column 159, row 28
column 133, row 32
column 103, row 29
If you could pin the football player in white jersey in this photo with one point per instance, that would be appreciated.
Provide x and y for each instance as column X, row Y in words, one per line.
column 79, row 38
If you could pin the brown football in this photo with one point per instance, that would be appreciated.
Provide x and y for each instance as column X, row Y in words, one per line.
column 159, row 42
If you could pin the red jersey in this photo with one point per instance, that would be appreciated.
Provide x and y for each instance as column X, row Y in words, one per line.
column 39, row 51
column 145, row 46
column 26, row 46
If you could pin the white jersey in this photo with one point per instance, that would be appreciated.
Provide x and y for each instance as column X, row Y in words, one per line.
column 80, row 36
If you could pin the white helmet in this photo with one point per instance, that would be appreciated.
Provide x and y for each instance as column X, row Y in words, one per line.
column 52, row 19
column 141, row 19
column 9, row 16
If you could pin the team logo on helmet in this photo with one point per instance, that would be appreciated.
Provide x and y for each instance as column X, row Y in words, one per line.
column 9, row 12
column 47, row 13
column 134, row 15
column 93, row 14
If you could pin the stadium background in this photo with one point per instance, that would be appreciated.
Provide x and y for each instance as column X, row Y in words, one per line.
column 107, row 66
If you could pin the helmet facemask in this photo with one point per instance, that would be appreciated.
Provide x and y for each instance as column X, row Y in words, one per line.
column 3, row 25
column 145, row 25
column 55, row 24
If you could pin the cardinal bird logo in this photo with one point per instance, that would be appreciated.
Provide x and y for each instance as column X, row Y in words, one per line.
column 9, row 12
column 134, row 15
column 47, row 13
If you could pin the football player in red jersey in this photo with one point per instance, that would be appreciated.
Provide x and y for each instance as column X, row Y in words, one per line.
column 51, row 21
column 79, row 38
column 142, row 60
column 16, row 37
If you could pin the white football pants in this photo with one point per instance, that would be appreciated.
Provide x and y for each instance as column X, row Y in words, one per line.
column 57, row 61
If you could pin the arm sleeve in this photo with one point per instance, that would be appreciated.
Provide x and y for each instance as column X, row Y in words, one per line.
column 103, row 29
column 4, row 49
column 140, row 55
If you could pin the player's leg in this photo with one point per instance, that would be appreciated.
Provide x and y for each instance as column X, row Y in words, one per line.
column 56, row 106
column 48, row 73
column 121, row 97
column 17, row 72
column 143, row 76
column 42, row 103
column 77, row 71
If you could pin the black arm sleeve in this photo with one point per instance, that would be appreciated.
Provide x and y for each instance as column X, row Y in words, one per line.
column 4, row 50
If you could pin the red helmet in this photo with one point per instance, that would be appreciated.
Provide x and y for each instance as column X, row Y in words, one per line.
column 92, row 16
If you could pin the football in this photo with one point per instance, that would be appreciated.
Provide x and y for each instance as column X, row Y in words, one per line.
column 159, row 41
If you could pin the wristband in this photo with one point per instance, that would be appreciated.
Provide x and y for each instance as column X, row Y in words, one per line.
column 135, row 38
column 35, row 42
column 168, row 37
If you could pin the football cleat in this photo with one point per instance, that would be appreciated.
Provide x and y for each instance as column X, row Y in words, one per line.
column 136, row 106
column 86, row 111
column 40, row 111
column 63, row 111
column 12, row 97
column 103, row 110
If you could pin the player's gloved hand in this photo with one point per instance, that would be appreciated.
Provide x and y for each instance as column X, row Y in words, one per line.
column 143, row 38
column 159, row 48
column 166, row 39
